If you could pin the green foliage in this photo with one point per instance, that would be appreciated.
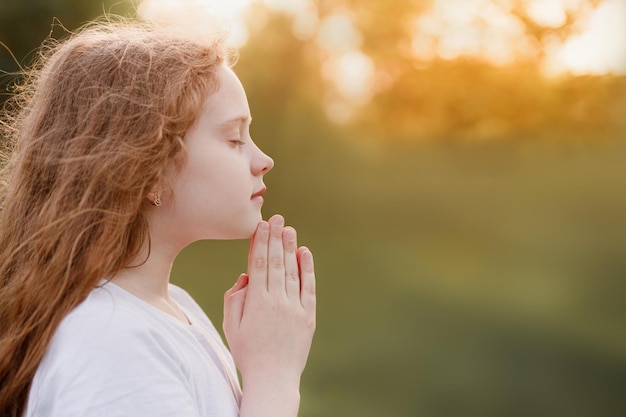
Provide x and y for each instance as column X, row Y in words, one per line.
column 471, row 101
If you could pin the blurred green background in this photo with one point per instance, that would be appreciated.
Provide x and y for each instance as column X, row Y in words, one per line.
column 467, row 213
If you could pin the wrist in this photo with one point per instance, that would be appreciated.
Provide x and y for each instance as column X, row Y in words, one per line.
column 275, row 398
column 270, row 376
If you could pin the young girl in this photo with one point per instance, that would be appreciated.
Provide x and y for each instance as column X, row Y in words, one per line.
column 127, row 144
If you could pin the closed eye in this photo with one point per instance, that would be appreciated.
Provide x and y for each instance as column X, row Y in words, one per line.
column 236, row 142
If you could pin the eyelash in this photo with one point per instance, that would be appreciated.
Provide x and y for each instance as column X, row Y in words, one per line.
column 237, row 142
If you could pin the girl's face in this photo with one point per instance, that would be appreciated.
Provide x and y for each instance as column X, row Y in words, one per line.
column 217, row 193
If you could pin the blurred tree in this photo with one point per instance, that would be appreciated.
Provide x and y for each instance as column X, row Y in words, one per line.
column 452, row 93
column 391, row 68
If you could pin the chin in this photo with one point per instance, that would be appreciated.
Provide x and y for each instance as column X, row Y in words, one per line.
column 250, row 228
column 244, row 230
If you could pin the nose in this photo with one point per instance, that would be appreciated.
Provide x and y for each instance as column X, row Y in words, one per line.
column 262, row 163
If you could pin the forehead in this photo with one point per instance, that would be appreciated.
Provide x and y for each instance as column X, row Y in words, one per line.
column 229, row 102
column 223, row 111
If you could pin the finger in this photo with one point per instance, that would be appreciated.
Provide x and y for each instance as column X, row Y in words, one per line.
column 252, row 244
column 257, row 260
column 307, row 279
column 234, row 301
column 241, row 282
column 276, row 256
column 292, row 275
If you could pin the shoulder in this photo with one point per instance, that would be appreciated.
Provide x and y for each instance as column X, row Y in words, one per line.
column 108, row 351
column 105, row 317
column 106, row 328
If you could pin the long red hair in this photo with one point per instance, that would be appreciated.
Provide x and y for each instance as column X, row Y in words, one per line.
column 88, row 136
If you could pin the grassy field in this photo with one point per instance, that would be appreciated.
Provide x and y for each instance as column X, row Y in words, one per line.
column 454, row 280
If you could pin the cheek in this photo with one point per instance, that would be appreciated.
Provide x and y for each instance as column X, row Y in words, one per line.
column 221, row 183
column 218, row 189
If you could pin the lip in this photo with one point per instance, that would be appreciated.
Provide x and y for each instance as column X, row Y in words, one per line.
column 258, row 196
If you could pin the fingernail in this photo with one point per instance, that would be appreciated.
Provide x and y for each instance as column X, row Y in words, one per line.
column 244, row 278
column 238, row 280
column 263, row 226
column 290, row 233
column 277, row 220
column 308, row 256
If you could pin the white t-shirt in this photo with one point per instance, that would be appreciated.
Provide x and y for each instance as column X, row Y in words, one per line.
column 115, row 355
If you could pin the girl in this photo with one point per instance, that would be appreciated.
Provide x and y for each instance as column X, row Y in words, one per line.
column 130, row 142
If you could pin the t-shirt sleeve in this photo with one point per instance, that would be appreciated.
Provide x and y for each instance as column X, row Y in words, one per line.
column 111, row 367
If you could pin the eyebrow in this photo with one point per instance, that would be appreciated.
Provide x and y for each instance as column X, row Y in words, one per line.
column 235, row 121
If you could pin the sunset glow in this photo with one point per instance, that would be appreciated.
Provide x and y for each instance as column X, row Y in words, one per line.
column 602, row 47
column 450, row 29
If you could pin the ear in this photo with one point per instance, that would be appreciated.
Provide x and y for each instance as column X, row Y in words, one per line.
column 155, row 198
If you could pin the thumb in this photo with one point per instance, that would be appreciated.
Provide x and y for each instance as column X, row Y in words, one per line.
column 234, row 300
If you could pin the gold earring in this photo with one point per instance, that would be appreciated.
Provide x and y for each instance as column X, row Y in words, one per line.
column 156, row 201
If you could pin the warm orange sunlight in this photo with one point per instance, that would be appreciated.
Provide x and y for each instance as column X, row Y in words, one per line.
column 502, row 32
column 601, row 48
column 491, row 29
column 449, row 29
column 194, row 14
column 232, row 11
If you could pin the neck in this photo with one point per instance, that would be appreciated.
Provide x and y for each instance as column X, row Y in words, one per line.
column 149, row 275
